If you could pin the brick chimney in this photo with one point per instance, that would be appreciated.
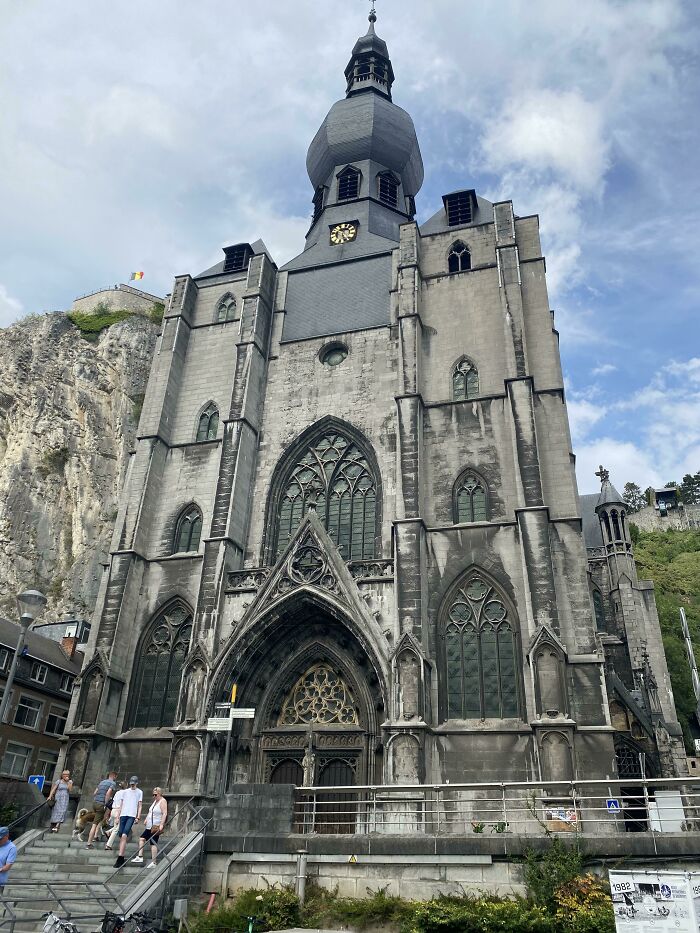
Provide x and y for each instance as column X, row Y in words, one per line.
column 69, row 643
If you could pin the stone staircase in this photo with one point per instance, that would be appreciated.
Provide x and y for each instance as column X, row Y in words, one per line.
column 76, row 875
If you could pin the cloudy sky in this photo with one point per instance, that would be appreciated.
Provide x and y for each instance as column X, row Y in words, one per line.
column 146, row 135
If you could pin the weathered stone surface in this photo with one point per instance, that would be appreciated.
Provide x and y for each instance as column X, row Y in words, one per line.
column 68, row 415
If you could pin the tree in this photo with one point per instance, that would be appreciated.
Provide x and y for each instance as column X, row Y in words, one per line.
column 689, row 489
column 633, row 497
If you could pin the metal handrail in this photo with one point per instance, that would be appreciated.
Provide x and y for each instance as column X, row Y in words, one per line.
column 25, row 816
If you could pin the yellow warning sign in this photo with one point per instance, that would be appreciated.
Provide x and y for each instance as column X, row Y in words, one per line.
column 353, row 860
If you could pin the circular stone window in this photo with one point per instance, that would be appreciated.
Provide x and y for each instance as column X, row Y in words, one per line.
column 334, row 354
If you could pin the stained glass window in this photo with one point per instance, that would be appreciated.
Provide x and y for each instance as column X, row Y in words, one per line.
column 599, row 610
column 226, row 308
column 465, row 380
column 208, row 424
column 459, row 258
column 159, row 675
column 471, row 499
column 188, row 530
column 480, row 655
column 335, row 478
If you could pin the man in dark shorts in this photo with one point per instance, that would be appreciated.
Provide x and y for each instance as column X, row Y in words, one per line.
column 104, row 792
column 129, row 813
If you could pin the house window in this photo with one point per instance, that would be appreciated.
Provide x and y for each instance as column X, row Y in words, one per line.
column 459, row 208
column 226, row 308
column 465, row 381
column 388, row 189
column 471, row 499
column 348, row 184
column 159, row 675
column 188, row 530
column 39, row 672
column 335, row 477
column 480, row 656
column 208, row 425
column 4, row 659
column 66, row 683
column 15, row 760
column 459, row 258
column 46, row 763
column 56, row 720
column 28, row 712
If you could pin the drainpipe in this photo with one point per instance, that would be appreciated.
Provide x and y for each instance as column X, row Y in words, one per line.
column 300, row 887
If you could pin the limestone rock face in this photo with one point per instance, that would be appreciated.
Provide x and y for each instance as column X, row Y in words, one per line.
column 69, row 410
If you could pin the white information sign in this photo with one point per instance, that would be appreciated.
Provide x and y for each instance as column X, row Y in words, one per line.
column 658, row 901
column 218, row 724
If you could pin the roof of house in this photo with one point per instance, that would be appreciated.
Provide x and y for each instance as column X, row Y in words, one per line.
column 40, row 648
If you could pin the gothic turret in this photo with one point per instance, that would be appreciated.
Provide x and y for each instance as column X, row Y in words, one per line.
column 370, row 69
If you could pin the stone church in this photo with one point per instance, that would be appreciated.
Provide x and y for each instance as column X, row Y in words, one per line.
column 353, row 497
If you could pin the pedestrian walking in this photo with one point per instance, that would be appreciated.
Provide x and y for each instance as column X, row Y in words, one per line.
column 102, row 795
column 59, row 795
column 154, row 824
column 129, row 813
column 115, row 805
column 8, row 854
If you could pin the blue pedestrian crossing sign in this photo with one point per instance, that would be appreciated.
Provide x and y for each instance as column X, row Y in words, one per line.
column 613, row 805
column 37, row 780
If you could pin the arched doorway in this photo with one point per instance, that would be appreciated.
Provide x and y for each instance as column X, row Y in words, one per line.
column 287, row 771
column 336, row 812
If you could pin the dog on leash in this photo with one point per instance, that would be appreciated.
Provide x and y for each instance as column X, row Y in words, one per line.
column 83, row 821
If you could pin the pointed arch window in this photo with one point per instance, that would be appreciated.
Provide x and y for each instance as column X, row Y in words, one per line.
column 159, row 672
column 480, row 654
column 348, row 184
column 208, row 424
column 459, row 258
column 388, row 189
column 333, row 476
column 188, row 530
column 319, row 696
column 465, row 380
column 616, row 525
column 226, row 308
column 470, row 499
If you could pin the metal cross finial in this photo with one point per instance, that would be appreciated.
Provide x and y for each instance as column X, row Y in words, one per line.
column 603, row 474
column 373, row 12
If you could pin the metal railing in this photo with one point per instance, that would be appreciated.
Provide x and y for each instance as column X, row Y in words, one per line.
column 71, row 898
column 521, row 808
column 25, row 816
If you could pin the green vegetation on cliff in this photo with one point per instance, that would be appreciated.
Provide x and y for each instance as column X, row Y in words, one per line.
column 672, row 560
column 92, row 323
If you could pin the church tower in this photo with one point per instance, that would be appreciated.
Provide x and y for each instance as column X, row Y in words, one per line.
column 353, row 497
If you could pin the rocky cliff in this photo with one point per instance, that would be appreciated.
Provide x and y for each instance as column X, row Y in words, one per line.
column 69, row 407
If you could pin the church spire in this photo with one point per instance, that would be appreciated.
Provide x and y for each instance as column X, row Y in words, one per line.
column 370, row 69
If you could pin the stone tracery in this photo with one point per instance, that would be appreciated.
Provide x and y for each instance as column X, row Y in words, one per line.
column 319, row 696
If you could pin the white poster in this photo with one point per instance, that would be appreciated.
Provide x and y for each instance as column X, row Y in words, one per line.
column 655, row 902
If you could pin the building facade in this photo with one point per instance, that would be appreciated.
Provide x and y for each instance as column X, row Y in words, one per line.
column 32, row 734
column 353, row 496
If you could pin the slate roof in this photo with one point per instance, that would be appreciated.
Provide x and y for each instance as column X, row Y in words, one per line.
column 367, row 126
column 609, row 495
column 218, row 269
column 40, row 648
column 592, row 534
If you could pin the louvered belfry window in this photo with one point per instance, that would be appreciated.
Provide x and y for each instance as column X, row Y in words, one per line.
column 348, row 184
column 334, row 477
column 388, row 189
column 459, row 208
column 480, row 654
column 159, row 673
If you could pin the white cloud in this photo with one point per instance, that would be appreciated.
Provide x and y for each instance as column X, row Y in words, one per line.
column 603, row 369
column 583, row 415
column 10, row 308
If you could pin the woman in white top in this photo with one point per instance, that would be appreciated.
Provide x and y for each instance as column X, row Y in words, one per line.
column 156, row 819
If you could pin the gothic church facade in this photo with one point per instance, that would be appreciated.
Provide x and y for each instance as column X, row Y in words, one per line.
column 353, row 496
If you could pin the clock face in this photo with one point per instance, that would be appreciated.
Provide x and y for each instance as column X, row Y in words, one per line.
column 343, row 233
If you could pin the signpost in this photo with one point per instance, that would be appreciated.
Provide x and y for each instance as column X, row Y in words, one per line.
column 224, row 723
column 37, row 780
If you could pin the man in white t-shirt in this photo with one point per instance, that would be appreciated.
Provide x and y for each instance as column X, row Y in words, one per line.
column 129, row 803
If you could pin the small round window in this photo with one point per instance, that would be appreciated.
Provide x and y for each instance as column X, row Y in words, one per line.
column 334, row 355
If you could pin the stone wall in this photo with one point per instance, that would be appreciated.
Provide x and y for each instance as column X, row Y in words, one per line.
column 118, row 298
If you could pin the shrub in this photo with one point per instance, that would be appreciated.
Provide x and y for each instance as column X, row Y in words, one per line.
column 465, row 915
column 8, row 813
column 273, row 909
column 157, row 311
column 323, row 908
column 546, row 872
column 93, row 323
column 583, row 905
